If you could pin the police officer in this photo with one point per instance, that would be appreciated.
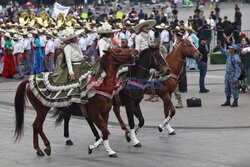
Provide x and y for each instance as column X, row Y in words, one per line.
column 233, row 71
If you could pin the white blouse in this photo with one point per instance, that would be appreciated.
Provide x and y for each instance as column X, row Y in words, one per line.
column 142, row 41
column 104, row 44
column 73, row 54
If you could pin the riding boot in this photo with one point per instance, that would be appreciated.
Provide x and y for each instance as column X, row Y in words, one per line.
column 149, row 98
column 179, row 104
column 155, row 99
column 235, row 103
column 227, row 103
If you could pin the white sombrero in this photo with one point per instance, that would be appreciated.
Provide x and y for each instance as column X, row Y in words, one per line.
column 68, row 34
column 161, row 26
column 187, row 28
column 142, row 23
column 7, row 35
column 16, row 37
column 106, row 29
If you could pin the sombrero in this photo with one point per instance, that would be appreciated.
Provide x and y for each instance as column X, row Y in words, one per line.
column 81, row 32
column 189, row 29
column 50, row 34
column 68, row 34
column 106, row 29
column 7, row 35
column 16, row 37
column 35, row 32
column 162, row 26
column 142, row 23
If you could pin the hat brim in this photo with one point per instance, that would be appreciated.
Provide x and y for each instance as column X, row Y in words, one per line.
column 151, row 23
column 68, row 38
column 162, row 28
column 107, row 31
column 189, row 29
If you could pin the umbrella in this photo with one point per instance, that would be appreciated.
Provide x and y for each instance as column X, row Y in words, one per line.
column 28, row 4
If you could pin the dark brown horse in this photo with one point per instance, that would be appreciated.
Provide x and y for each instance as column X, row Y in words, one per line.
column 97, row 109
column 132, row 94
column 175, row 61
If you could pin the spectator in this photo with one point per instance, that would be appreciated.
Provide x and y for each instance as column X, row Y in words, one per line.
column 225, row 22
column 201, row 16
column 206, row 33
column 175, row 13
column 217, row 13
column 141, row 15
column 202, row 65
column 197, row 10
column 168, row 11
column 210, row 22
column 237, row 18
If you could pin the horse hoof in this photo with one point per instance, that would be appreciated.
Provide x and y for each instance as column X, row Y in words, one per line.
column 160, row 129
column 47, row 152
column 113, row 155
column 90, row 150
column 128, row 137
column 40, row 153
column 172, row 133
column 138, row 145
column 69, row 143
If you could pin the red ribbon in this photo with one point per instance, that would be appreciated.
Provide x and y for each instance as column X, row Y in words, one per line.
column 96, row 40
column 24, row 55
column 48, row 56
column 16, row 57
column 88, row 47
column 55, row 55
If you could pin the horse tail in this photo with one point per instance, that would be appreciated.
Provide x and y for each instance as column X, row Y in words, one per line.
column 59, row 115
column 20, row 106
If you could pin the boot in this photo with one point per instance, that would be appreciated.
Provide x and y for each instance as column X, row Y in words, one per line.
column 235, row 103
column 227, row 103
column 149, row 98
column 155, row 99
column 179, row 104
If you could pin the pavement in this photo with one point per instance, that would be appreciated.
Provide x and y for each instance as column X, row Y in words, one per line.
column 205, row 136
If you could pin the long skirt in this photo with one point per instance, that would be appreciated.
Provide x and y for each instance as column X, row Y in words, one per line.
column 54, row 89
column 9, row 66
column 37, row 63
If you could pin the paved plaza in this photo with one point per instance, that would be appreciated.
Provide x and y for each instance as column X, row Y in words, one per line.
column 207, row 136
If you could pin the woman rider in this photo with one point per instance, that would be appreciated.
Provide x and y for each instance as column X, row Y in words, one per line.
column 72, row 83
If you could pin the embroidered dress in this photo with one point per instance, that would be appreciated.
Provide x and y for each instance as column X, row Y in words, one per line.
column 191, row 63
column 9, row 66
column 55, row 89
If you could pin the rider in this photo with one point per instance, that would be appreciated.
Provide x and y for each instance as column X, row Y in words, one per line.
column 107, row 34
column 143, row 41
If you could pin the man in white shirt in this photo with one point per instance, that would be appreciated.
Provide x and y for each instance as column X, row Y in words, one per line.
column 18, row 51
column 82, row 44
column 49, row 54
column 165, row 38
column 27, row 52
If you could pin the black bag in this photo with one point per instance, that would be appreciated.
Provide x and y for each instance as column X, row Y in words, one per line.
column 194, row 102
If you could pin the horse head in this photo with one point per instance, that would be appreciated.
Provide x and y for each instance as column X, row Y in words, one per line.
column 156, row 60
column 118, row 57
column 189, row 50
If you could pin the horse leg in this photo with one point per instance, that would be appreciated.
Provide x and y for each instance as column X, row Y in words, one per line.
column 66, row 118
column 93, row 129
column 168, row 105
column 100, row 123
column 116, row 109
column 130, row 114
column 139, row 116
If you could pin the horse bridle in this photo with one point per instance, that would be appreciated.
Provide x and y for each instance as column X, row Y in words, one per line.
column 155, row 59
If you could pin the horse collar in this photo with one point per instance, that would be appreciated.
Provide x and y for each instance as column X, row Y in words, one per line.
column 139, row 85
column 105, row 94
column 174, row 76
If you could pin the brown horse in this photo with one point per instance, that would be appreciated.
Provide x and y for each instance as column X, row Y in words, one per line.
column 97, row 109
column 175, row 61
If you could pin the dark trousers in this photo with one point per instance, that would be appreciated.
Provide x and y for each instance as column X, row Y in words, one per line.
column 203, row 71
column 183, row 80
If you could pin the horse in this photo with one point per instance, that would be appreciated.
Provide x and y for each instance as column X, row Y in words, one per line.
column 97, row 112
column 175, row 60
column 148, row 58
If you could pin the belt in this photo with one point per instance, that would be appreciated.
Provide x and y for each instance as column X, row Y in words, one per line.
column 165, row 43
column 77, row 62
column 36, row 48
